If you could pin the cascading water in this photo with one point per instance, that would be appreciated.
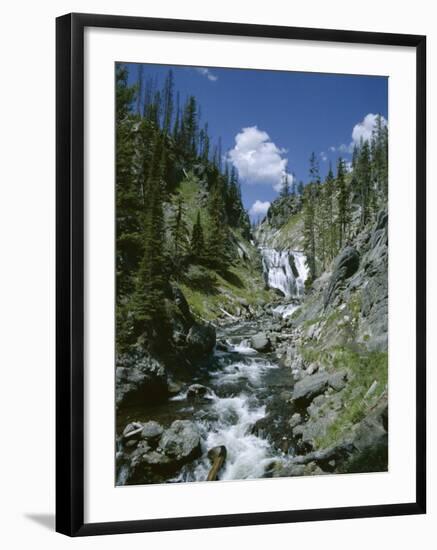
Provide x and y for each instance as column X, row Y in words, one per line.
column 285, row 270
column 234, row 408
column 238, row 380
column 235, row 401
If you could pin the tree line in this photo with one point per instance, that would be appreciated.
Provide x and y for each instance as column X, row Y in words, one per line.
column 159, row 143
column 345, row 202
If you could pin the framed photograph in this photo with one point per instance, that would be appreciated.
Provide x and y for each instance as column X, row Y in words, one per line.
column 240, row 274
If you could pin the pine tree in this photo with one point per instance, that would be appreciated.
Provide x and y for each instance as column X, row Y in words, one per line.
column 343, row 203
column 332, row 238
column 234, row 206
column 285, row 186
column 205, row 143
column 197, row 245
column 127, row 198
column 179, row 234
column 309, row 229
column 168, row 102
column 140, row 88
column 217, row 240
column 148, row 303
column 379, row 160
column 314, row 169
column 189, row 128
column 364, row 181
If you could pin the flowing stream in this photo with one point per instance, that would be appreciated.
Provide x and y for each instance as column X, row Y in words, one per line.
column 241, row 382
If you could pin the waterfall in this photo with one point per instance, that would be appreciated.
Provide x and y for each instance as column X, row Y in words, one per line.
column 285, row 270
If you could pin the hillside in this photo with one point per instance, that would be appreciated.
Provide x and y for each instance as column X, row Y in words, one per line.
column 221, row 295
column 339, row 330
column 245, row 352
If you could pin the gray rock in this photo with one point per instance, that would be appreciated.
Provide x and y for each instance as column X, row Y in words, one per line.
column 196, row 391
column 371, row 432
column 337, row 381
column 312, row 469
column 295, row 420
column 287, row 470
column 174, row 387
column 152, row 431
column 312, row 369
column 286, row 395
column 260, row 342
column 142, row 448
column 133, row 431
column 181, row 442
column 139, row 378
column 316, row 427
column 154, row 458
column 201, row 340
column 309, row 387
column 346, row 264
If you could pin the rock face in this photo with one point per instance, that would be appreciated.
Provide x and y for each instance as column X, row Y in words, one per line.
column 139, row 379
column 181, row 442
column 346, row 265
column 371, row 432
column 260, row 342
column 201, row 340
column 309, row 387
column 375, row 292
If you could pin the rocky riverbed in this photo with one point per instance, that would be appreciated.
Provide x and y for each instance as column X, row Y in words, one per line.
column 258, row 398
column 298, row 387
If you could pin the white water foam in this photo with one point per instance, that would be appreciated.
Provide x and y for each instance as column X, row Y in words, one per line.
column 247, row 454
column 242, row 348
column 286, row 310
column 251, row 370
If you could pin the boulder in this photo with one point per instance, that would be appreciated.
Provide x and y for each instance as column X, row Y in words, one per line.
column 260, row 342
column 295, row 420
column 132, row 431
column 174, row 387
column 309, row 387
column 181, row 442
column 371, row 432
column 201, row 340
column 337, row 380
column 152, row 431
column 196, row 391
column 139, row 378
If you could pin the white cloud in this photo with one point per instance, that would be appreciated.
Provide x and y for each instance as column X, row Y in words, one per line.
column 206, row 72
column 259, row 208
column 324, row 156
column 345, row 149
column 258, row 159
column 363, row 130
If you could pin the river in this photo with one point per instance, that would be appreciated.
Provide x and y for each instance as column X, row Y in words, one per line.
column 241, row 385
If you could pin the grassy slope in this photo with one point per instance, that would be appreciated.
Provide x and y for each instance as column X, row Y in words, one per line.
column 208, row 292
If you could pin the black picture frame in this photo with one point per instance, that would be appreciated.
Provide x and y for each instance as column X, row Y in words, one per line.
column 70, row 273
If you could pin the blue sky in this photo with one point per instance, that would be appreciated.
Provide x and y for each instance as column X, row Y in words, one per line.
column 279, row 118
